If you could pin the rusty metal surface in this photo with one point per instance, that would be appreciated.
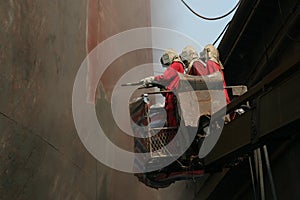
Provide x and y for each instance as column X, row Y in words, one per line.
column 41, row 48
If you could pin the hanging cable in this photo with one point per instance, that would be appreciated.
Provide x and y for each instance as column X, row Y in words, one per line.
column 225, row 28
column 210, row 18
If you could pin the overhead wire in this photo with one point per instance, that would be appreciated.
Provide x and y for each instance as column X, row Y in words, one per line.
column 210, row 18
column 223, row 31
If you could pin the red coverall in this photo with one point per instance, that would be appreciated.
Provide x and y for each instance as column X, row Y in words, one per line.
column 198, row 69
column 170, row 80
column 213, row 67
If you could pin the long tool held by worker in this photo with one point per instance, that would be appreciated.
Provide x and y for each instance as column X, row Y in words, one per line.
column 133, row 84
column 236, row 90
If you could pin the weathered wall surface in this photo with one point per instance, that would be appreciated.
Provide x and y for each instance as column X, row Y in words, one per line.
column 42, row 44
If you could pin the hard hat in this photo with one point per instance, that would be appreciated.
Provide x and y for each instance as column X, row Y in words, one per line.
column 188, row 54
column 213, row 54
column 169, row 56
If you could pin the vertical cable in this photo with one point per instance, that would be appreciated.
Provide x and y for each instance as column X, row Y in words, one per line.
column 256, row 172
column 261, row 175
column 270, row 172
column 252, row 177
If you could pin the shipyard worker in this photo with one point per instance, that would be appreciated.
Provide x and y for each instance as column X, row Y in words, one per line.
column 194, row 66
column 210, row 55
column 170, row 80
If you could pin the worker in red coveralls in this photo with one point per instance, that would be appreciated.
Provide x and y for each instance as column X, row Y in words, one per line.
column 210, row 55
column 194, row 66
column 170, row 80
column 208, row 63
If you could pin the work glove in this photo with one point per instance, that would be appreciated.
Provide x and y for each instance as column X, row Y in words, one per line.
column 148, row 80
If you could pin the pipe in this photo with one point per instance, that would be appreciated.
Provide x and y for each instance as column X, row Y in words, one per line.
column 270, row 173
